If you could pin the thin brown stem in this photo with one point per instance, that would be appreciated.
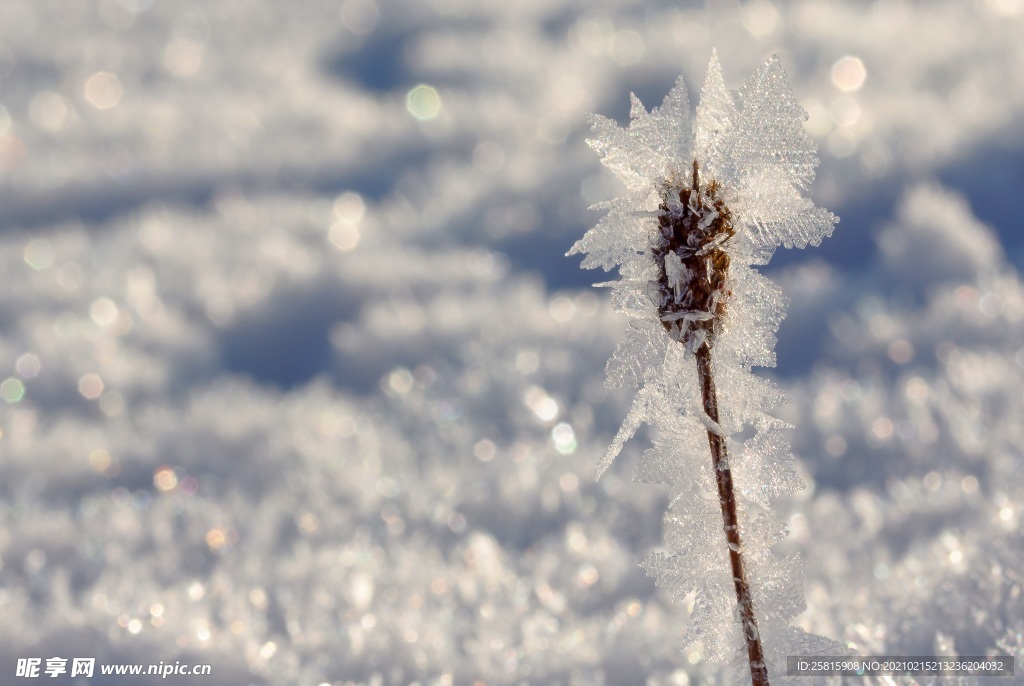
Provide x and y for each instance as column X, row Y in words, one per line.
column 730, row 522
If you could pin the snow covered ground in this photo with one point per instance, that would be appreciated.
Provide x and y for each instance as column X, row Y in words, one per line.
column 295, row 380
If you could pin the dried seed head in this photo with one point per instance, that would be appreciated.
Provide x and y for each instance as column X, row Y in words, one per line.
column 693, row 228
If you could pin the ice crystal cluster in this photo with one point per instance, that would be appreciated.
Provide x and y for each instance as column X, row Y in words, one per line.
column 704, row 205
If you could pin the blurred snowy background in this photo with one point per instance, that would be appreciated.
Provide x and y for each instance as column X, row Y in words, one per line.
column 296, row 381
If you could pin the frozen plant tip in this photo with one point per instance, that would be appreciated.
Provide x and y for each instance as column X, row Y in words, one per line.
column 703, row 206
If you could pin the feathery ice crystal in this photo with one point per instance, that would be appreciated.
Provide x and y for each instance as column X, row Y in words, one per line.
column 703, row 206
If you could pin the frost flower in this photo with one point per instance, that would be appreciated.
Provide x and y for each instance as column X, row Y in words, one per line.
column 704, row 205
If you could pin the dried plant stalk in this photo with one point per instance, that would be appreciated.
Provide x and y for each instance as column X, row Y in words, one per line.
column 694, row 272
column 706, row 201
column 730, row 522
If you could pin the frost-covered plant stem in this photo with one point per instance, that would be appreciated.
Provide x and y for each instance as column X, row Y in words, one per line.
column 693, row 296
column 730, row 520
column 705, row 204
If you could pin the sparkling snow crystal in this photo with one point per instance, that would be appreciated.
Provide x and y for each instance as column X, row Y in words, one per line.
column 703, row 206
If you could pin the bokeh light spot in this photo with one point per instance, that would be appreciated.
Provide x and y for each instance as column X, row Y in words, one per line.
column 217, row 539
column 901, row 351
column 760, row 18
column 360, row 16
column 361, row 590
column 587, row 576
column 845, row 110
column 917, row 390
column 258, row 597
column 836, row 446
column 90, row 386
column 543, row 406
column 39, row 254
column 423, row 102
column 842, row 143
column 484, row 450
column 849, row 73
column 99, row 459
column 457, row 523
column 344, row 235
column 182, row 57
column 189, row 485
column 591, row 34
column 203, row 631
column 103, row 312
column 309, row 523
column 399, row 382
column 28, row 366
column 882, row 428
column 349, row 206
column 627, row 47
column 564, row 438
column 12, row 390
column 103, row 90
column 527, row 361
column 819, row 118
column 388, row 488
column 562, row 309
column 112, row 403
column 50, row 111
column 165, row 479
